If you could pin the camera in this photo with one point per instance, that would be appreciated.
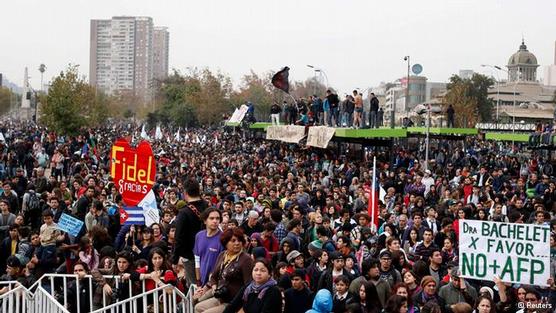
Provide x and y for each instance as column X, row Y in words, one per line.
column 221, row 292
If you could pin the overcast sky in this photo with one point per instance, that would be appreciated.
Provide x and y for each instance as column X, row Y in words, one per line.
column 358, row 43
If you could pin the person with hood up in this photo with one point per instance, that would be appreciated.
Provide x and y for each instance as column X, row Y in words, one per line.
column 322, row 303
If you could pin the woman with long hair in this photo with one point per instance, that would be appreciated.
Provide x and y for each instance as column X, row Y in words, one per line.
column 125, row 269
column 396, row 304
column 411, row 242
column 142, row 247
column 88, row 254
column 315, row 269
column 367, row 298
column 484, row 304
column 402, row 289
column 261, row 295
column 410, row 280
column 158, row 271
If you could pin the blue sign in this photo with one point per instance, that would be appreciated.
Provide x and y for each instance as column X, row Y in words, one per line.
column 70, row 224
column 417, row 69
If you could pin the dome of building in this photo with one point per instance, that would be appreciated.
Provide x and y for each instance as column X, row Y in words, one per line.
column 522, row 65
column 523, row 56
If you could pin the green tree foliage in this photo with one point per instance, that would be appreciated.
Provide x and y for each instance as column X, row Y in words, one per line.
column 308, row 88
column 7, row 98
column 469, row 97
column 71, row 104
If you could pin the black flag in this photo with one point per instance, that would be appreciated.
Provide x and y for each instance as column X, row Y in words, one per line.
column 280, row 80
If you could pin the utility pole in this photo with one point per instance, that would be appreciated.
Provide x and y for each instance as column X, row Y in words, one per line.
column 406, row 58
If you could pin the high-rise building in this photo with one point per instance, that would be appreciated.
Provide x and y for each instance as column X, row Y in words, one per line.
column 550, row 72
column 161, row 45
column 466, row 74
column 122, row 55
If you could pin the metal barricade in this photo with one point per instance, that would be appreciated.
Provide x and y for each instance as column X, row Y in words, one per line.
column 51, row 293
column 15, row 300
column 43, row 302
column 164, row 299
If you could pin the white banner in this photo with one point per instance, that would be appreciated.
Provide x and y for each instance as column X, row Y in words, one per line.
column 238, row 114
column 288, row 133
column 320, row 136
column 150, row 209
column 517, row 253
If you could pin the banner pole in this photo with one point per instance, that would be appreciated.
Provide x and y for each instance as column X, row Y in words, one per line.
column 373, row 192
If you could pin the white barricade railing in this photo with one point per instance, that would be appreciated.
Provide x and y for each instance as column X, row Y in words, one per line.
column 8, row 283
column 50, row 294
column 43, row 302
column 164, row 299
column 15, row 300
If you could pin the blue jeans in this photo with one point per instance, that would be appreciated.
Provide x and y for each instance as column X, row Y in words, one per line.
column 333, row 115
column 372, row 120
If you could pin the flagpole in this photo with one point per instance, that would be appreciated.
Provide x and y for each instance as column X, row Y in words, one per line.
column 373, row 192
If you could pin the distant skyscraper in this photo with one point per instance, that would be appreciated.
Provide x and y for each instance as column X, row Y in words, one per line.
column 161, row 44
column 550, row 72
column 466, row 74
column 122, row 55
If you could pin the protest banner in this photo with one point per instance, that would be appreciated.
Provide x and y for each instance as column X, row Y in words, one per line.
column 238, row 114
column 517, row 253
column 133, row 170
column 70, row 224
column 287, row 133
column 320, row 136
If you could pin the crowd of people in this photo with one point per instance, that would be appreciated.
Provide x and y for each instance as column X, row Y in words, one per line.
column 330, row 110
column 263, row 226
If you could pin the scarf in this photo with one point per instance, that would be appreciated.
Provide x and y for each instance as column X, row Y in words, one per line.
column 260, row 289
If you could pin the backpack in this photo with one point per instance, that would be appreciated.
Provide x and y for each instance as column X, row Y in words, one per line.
column 33, row 203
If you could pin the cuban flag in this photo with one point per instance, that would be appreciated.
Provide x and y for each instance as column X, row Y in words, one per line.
column 132, row 216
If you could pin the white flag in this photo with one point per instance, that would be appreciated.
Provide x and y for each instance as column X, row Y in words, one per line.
column 177, row 136
column 150, row 210
column 144, row 134
column 158, row 133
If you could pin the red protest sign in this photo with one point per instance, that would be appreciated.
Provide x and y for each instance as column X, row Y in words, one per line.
column 133, row 170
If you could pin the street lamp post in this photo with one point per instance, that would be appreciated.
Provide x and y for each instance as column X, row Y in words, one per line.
column 406, row 58
column 497, row 88
column 428, row 137
column 325, row 76
column 314, row 78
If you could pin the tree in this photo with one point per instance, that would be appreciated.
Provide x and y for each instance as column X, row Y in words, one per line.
column 469, row 98
column 259, row 91
column 71, row 104
column 6, row 100
column 308, row 88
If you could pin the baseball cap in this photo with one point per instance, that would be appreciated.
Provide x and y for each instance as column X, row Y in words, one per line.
column 336, row 256
column 293, row 255
column 454, row 272
column 486, row 289
column 385, row 254
column 13, row 261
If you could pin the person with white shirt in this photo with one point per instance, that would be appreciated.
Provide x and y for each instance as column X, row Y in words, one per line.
column 428, row 181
